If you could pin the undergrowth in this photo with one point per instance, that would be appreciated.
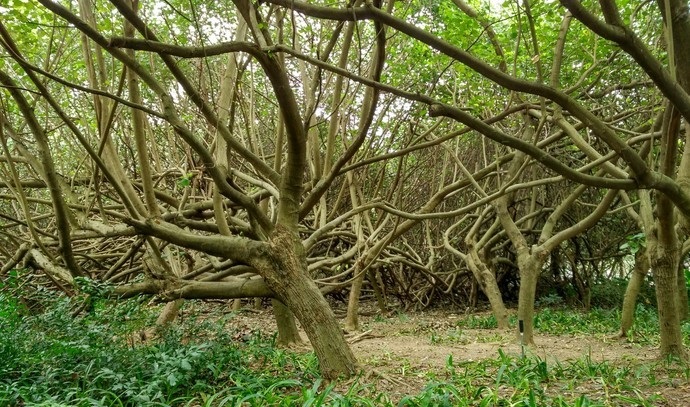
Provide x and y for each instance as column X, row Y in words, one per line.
column 597, row 322
column 51, row 357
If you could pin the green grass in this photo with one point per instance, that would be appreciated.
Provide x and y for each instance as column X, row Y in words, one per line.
column 602, row 322
column 51, row 358
column 597, row 322
column 514, row 381
column 486, row 321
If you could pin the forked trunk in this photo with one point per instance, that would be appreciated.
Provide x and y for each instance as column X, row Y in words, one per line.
column 632, row 291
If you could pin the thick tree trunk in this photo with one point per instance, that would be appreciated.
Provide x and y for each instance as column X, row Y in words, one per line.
column 633, row 290
column 682, row 294
column 305, row 300
column 284, row 268
column 664, row 263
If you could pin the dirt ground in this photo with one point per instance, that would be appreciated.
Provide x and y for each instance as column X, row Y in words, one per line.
column 402, row 351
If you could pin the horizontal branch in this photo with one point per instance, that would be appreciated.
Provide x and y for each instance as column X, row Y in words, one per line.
column 184, row 51
column 237, row 288
column 240, row 249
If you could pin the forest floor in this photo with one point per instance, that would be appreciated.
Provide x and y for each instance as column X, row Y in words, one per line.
column 401, row 352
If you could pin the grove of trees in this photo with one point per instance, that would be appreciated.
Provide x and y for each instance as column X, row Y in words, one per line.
column 421, row 153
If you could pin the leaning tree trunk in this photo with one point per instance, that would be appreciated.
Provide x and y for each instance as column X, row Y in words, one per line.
column 169, row 313
column 288, row 334
column 633, row 290
column 284, row 268
column 488, row 284
column 352, row 318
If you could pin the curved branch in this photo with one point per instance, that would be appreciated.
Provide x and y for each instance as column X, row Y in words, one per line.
column 643, row 174
column 614, row 30
column 533, row 151
column 170, row 112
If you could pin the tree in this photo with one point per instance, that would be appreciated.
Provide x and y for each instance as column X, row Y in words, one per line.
column 326, row 146
column 638, row 174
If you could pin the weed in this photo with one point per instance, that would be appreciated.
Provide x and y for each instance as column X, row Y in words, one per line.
column 478, row 322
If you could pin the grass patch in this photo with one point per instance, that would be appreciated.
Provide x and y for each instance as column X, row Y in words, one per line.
column 514, row 381
column 597, row 322
column 487, row 321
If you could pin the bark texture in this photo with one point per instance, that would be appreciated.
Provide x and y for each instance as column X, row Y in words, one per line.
column 288, row 334
column 284, row 267
column 488, row 284
column 665, row 267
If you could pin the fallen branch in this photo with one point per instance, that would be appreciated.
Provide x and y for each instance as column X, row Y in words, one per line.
column 362, row 336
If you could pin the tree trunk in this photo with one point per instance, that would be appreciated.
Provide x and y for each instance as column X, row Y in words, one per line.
column 664, row 263
column 487, row 282
column 377, row 285
column 682, row 294
column 352, row 319
column 169, row 313
column 305, row 300
column 527, row 295
column 633, row 290
column 474, row 293
column 284, row 268
column 287, row 328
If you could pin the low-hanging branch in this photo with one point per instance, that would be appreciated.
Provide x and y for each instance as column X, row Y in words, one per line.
column 175, row 289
